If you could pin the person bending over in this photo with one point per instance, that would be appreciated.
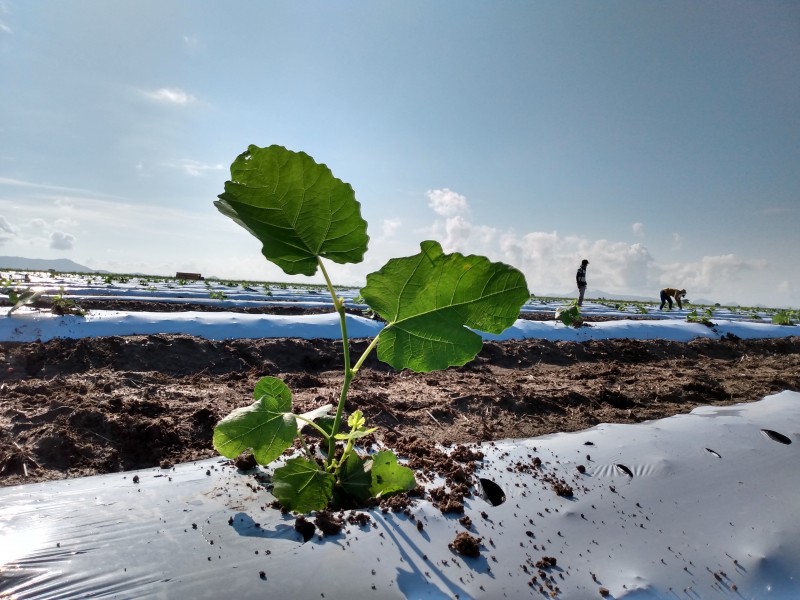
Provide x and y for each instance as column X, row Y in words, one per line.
column 667, row 294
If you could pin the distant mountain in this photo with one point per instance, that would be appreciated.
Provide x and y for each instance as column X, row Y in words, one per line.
column 63, row 265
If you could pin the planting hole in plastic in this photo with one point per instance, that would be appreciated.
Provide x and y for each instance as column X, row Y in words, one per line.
column 776, row 437
column 624, row 469
column 493, row 492
column 709, row 450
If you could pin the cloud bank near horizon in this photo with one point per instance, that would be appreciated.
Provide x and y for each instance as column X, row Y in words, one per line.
column 549, row 259
column 80, row 225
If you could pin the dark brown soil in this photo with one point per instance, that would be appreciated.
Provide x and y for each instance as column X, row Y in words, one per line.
column 70, row 408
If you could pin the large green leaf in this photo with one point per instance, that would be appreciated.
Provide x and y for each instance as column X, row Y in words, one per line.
column 302, row 486
column 267, row 426
column 388, row 477
column 430, row 299
column 296, row 208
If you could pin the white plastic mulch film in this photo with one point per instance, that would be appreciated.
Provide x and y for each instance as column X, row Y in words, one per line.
column 695, row 506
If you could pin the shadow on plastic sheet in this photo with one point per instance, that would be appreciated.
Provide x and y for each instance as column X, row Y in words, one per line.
column 415, row 582
column 246, row 526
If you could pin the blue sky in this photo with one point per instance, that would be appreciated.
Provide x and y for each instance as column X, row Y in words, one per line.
column 660, row 140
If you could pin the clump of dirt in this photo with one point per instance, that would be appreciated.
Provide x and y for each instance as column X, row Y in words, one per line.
column 328, row 523
column 304, row 527
column 546, row 562
column 466, row 545
column 245, row 461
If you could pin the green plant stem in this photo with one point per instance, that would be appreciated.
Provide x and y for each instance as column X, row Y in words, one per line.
column 348, row 372
column 369, row 349
column 305, row 446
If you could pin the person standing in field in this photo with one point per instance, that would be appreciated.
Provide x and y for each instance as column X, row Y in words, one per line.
column 668, row 293
column 580, row 278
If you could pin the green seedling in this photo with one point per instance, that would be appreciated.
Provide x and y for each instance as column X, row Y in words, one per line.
column 784, row 317
column 20, row 298
column 110, row 279
column 218, row 295
column 570, row 315
column 431, row 303
column 61, row 305
column 704, row 318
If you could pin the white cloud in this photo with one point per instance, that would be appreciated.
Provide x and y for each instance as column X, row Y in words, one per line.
column 60, row 240
column 547, row 259
column 638, row 229
column 191, row 41
column 710, row 273
column 677, row 241
column 37, row 225
column 194, row 168
column 65, row 203
column 7, row 230
column 390, row 226
column 4, row 27
column 65, row 223
column 170, row 95
column 49, row 187
column 35, row 233
column 447, row 203
column 5, row 226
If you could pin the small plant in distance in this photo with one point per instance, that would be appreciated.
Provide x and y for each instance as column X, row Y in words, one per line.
column 19, row 297
column 61, row 305
column 430, row 302
column 704, row 318
column 570, row 315
column 784, row 317
column 218, row 295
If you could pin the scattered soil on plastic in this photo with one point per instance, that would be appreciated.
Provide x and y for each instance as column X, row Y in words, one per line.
column 70, row 408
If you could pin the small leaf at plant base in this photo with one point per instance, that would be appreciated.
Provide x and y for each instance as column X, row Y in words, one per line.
column 302, row 486
column 354, row 479
column 388, row 477
column 296, row 208
column 267, row 426
column 430, row 299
